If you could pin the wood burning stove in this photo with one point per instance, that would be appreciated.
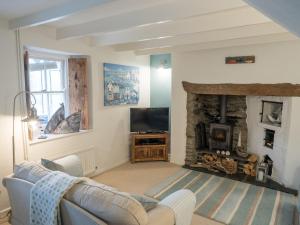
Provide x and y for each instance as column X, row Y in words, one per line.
column 220, row 134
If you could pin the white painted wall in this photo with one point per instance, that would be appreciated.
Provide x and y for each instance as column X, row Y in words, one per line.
column 110, row 133
column 275, row 63
column 256, row 133
column 9, row 86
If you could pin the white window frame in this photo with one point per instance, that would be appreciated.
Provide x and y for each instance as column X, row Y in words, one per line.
column 55, row 57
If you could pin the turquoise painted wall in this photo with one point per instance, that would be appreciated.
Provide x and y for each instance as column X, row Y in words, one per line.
column 160, row 80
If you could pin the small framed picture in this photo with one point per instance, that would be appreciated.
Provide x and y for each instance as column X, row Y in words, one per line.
column 271, row 113
column 240, row 59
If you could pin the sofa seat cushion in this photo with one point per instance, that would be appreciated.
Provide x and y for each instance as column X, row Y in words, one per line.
column 116, row 208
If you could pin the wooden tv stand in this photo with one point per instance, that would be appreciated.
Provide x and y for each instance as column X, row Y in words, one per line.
column 149, row 147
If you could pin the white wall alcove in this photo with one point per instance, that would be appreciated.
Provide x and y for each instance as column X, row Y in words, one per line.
column 256, row 132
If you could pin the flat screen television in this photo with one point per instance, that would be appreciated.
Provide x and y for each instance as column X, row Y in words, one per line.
column 149, row 120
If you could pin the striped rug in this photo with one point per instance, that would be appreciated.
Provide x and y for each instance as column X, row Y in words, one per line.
column 228, row 201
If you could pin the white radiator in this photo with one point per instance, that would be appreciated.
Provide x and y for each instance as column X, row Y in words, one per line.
column 88, row 161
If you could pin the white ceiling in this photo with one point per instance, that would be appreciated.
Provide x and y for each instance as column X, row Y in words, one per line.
column 106, row 10
column 148, row 27
column 17, row 8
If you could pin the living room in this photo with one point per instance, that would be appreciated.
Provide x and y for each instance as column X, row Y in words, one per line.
column 171, row 51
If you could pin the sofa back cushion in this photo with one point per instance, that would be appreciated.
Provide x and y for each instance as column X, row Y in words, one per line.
column 30, row 171
column 112, row 206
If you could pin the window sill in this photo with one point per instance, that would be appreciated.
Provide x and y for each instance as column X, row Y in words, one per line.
column 53, row 137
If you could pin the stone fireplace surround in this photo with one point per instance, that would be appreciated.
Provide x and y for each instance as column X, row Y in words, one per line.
column 203, row 105
column 206, row 109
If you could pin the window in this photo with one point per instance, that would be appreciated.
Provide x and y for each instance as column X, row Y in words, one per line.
column 47, row 82
column 55, row 80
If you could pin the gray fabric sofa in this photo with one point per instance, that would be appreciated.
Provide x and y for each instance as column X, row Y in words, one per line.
column 90, row 203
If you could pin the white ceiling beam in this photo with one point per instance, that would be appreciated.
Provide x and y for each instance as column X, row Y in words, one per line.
column 54, row 13
column 264, row 39
column 173, row 10
column 215, row 35
column 284, row 12
column 214, row 21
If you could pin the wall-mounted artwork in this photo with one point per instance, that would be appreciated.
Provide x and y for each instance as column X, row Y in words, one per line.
column 271, row 113
column 240, row 59
column 121, row 84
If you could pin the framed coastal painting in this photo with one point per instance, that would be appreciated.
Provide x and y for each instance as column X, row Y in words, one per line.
column 121, row 84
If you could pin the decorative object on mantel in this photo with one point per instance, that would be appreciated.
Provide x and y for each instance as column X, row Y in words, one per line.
column 240, row 59
column 121, row 84
column 281, row 89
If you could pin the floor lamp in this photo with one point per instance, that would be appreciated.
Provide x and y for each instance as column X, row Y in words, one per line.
column 31, row 116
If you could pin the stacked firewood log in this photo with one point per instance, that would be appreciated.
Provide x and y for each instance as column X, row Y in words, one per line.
column 213, row 162
column 250, row 167
column 230, row 166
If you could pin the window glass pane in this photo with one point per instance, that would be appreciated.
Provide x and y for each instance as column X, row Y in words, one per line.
column 55, row 100
column 45, row 105
column 47, row 76
column 53, row 75
column 37, row 74
column 36, row 80
column 54, row 80
column 41, row 104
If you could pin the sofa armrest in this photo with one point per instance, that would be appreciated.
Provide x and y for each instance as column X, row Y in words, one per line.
column 183, row 204
column 4, row 180
column 161, row 215
column 19, row 196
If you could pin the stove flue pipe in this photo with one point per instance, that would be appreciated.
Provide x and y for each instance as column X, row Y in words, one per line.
column 223, row 108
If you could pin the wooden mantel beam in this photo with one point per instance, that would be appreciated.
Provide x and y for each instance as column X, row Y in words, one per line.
column 282, row 89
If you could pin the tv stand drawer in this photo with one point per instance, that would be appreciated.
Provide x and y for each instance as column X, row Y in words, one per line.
column 145, row 151
column 150, row 153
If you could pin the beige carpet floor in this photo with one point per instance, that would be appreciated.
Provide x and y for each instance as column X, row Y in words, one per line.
column 139, row 177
